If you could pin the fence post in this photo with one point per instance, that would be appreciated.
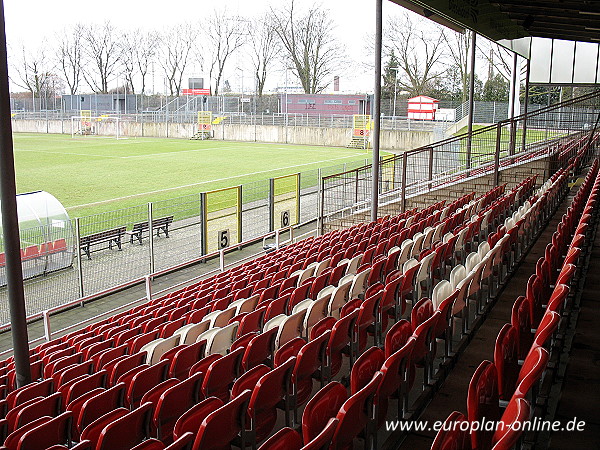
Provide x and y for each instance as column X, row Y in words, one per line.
column 151, row 237
column 404, row 166
column 513, row 135
column 203, row 224
column 271, row 204
column 319, row 202
column 79, row 265
column 497, row 155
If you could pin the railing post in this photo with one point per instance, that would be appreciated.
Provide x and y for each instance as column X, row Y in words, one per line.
column 203, row 224
column 298, row 180
column 222, row 260
column 322, row 206
column 277, row 239
column 513, row 136
column 525, row 111
column 271, row 204
column 497, row 155
column 47, row 329
column 79, row 264
column 148, row 284
column 404, row 167
column 356, row 187
column 151, row 237
column 319, row 199
column 430, row 166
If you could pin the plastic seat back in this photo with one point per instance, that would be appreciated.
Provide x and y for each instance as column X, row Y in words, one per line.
column 173, row 402
column 126, row 431
column 284, row 439
column 482, row 402
column 99, row 405
column 451, row 436
column 221, row 374
column 355, row 414
column 223, row 425
column 184, row 358
column 506, row 360
column 323, row 407
column 271, row 389
column 517, row 411
column 145, row 380
column 56, row 431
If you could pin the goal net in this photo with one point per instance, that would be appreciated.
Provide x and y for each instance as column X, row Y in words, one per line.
column 88, row 125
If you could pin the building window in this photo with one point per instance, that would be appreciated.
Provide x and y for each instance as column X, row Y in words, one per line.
column 352, row 102
column 304, row 101
column 332, row 102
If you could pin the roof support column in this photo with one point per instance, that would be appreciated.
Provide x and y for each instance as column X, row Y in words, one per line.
column 10, row 223
column 526, row 100
column 376, row 109
column 471, row 100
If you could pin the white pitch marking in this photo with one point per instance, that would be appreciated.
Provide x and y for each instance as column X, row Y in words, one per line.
column 205, row 182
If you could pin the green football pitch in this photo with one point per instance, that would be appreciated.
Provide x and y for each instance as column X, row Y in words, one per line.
column 90, row 175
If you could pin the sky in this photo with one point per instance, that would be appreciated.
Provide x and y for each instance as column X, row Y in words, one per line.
column 32, row 26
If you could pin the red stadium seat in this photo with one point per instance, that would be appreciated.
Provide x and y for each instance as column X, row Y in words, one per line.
column 482, row 402
column 223, row 425
column 127, row 431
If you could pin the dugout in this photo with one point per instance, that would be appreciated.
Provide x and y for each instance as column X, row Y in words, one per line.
column 46, row 235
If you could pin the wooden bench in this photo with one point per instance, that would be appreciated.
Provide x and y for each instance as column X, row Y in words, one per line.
column 111, row 236
column 161, row 224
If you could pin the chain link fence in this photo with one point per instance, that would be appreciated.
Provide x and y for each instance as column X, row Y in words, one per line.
column 127, row 244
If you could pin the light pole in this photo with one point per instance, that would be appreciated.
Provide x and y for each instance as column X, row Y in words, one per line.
column 242, row 78
column 395, row 69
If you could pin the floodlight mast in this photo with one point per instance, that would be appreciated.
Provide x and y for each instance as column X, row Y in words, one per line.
column 10, row 223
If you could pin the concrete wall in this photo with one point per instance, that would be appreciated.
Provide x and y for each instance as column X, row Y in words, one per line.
column 329, row 137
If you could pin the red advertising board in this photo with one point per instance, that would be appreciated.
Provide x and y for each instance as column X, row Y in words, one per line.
column 196, row 92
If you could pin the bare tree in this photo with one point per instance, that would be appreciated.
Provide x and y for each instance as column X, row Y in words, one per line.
column 175, row 52
column 32, row 70
column 69, row 56
column 309, row 44
column 103, row 50
column 458, row 46
column 225, row 34
column 264, row 49
column 498, row 58
column 127, row 45
column 145, row 54
column 419, row 53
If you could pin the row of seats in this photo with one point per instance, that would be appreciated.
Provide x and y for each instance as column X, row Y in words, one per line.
column 33, row 251
column 507, row 389
column 376, row 375
column 235, row 365
column 50, row 367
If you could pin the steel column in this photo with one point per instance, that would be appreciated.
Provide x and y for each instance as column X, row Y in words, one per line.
column 471, row 100
column 10, row 224
column 376, row 110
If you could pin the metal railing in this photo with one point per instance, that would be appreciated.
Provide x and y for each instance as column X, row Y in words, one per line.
column 346, row 197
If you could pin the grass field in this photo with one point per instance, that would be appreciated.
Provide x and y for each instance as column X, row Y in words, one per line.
column 484, row 143
column 97, row 174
